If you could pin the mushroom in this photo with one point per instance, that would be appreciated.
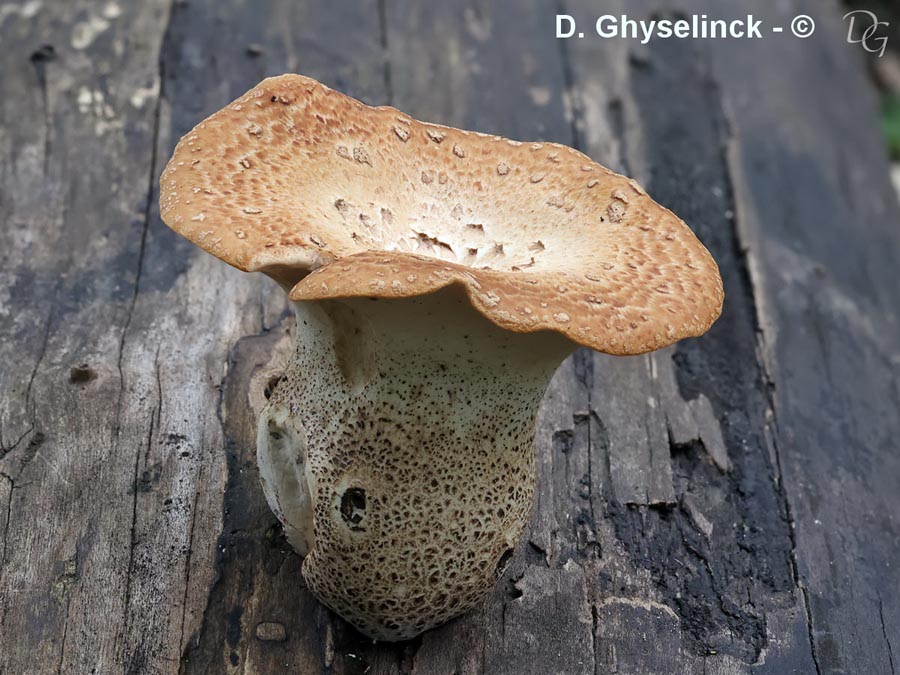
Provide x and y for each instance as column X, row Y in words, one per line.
column 439, row 277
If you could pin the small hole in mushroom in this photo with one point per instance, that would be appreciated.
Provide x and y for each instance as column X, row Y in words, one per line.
column 353, row 507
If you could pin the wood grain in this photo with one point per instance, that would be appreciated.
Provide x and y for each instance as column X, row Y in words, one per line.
column 728, row 505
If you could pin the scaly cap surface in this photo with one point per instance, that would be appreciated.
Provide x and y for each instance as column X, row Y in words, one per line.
column 334, row 198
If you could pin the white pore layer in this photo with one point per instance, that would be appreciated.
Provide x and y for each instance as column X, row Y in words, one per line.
column 398, row 453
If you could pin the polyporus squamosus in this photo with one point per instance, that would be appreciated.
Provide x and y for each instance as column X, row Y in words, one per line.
column 439, row 277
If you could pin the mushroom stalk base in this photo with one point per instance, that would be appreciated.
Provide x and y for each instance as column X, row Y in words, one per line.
column 398, row 453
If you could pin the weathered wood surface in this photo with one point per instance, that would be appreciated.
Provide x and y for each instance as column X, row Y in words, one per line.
column 729, row 505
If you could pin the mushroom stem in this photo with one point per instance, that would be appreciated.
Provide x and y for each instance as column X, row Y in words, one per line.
column 398, row 452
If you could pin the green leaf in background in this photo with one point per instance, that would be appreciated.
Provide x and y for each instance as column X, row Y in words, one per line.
column 890, row 122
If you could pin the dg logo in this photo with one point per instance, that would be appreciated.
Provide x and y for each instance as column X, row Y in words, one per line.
column 865, row 32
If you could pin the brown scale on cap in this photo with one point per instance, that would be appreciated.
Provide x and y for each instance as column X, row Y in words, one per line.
column 439, row 277
column 293, row 176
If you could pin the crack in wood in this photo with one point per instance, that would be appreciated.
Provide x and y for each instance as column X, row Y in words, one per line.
column 743, row 251
column 62, row 589
column 65, row 633
column 569, row 89
column 887, row 641
column 709, row 603
column 135, row 493
column 3, row 555
column 40, row 61
column 188, row 648
column 182, row 645
column 28, row 390
column 385, row 49
column 810, row 629
column 6, row 520
column 155, row 418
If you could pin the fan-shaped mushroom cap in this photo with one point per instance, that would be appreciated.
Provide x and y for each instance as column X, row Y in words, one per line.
column 334, row 198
